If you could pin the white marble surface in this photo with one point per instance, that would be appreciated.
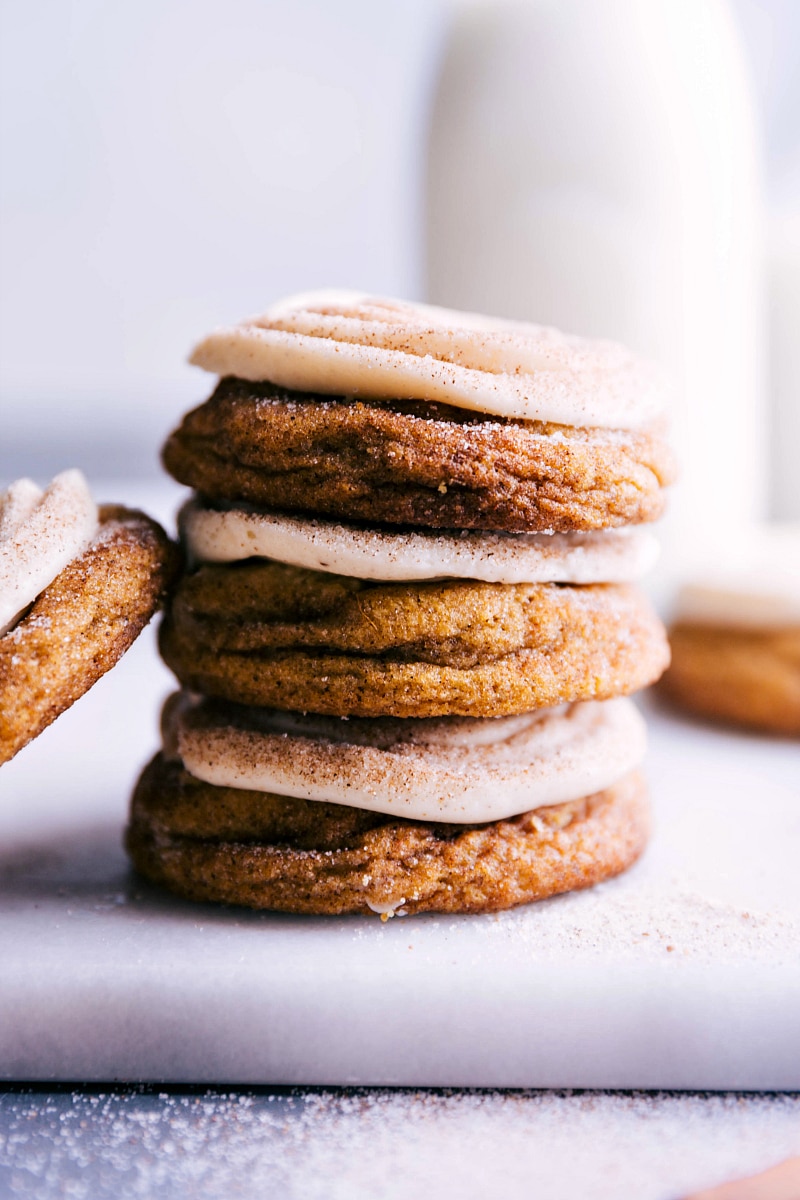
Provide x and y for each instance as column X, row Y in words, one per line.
column 685, row 973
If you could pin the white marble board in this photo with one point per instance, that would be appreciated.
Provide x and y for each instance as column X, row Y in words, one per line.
column 684, row 973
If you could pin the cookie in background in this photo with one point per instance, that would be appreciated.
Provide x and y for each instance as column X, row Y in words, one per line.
column 736, row 634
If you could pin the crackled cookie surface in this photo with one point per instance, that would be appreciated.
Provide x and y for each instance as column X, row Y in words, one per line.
column 302, row 856
column 415, row 463
column 81, row 623
column 264, row 633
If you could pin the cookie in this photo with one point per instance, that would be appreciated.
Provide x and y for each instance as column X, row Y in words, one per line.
column 736, row 637
column 407, row 622
column 264, row 633
column 40, row 533
column 330, row 859
column 416, row 463
column 744, row 677
column 79, row 624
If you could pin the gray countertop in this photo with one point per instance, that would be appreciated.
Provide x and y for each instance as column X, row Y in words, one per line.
column 375, row 1144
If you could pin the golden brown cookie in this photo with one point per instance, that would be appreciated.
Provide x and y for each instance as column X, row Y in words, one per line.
column 269, row 852
column 415, row 463
column 745, row 676
column 263, row 633
column 81, row 624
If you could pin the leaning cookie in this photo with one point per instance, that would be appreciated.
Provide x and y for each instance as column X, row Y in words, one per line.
column 410, row 832
column 736, row 638
column 77, row 586
column 417, row 867
column 368, row 409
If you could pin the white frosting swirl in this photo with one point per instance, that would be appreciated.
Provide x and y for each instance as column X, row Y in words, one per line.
column 347, row 343
column 449, row 769
column 230, row 535
column 41, row 532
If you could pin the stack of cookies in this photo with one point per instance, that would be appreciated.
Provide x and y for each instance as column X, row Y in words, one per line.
column 407, row 628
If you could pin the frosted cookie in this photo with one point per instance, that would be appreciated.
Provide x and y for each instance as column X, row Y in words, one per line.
column 736, row 636
column 264, row 633
column 230, row 534
column 416, row 463
column 77, row 586
column 303, row 856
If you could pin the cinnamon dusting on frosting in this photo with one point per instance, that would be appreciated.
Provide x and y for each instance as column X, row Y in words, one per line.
column 347, row 343
column 41, row 532
column 458, row 770
column 232, row 534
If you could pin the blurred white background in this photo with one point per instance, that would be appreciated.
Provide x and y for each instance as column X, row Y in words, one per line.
column 170, row 165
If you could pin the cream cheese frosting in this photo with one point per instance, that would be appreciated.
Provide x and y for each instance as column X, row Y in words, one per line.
column 41, row 532
column 753, row 584
column 352, row 344
column 230, row 535
column 452, row 769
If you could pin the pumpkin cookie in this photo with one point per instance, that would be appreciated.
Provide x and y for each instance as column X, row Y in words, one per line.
column 265, row 633
column 363, row 408
column 743, row 676
column 315, row 858
column 83, row 584
column 347, row 343
column 736, row 639
column 416, row 463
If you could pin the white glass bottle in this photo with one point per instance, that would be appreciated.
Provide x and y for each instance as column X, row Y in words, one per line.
column 593, row 164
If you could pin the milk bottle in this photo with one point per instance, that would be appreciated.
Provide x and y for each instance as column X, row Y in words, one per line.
column 593, row 164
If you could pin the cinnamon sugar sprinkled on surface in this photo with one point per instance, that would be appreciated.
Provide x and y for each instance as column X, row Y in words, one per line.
column 614, row 922
column 397, row 1145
